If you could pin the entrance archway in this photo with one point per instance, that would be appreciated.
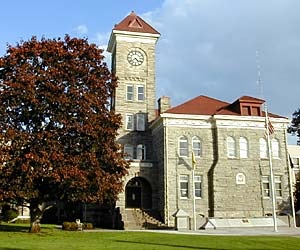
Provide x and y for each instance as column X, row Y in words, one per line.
column 138, row 193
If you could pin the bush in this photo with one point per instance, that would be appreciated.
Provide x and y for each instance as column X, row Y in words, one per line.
column 88, row 225
column 23, row 221
column 10, row 214
column 69, row 226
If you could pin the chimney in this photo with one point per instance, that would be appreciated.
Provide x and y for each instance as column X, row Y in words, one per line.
column 163, row 104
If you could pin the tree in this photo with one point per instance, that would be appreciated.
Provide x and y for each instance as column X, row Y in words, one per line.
column 57, row 128
column 294, row 128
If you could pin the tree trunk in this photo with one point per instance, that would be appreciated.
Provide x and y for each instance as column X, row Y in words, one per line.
column 37, row 210
column 35, row 216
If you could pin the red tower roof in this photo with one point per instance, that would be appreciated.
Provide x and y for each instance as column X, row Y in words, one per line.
column 134, row 23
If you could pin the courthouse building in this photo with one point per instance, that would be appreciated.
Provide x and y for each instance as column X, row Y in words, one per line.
column 225, row 140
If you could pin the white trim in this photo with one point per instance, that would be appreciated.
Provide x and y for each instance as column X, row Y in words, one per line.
column 186, row 116
column 129, row 36
column 183, row 138
column 136, row 163
column 129, row 85
column 137, row 92
column 126, row 121
column 131, row 33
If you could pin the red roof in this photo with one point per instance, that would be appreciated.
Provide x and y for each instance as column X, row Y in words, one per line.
column 134, row 23
column 204, row 105
column 248, row 99
column 201, row 105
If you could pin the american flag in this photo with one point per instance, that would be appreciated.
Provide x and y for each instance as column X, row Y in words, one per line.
column 269, row 127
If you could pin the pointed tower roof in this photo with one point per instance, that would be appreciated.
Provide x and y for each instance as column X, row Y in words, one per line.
column 134, row 23
column 132, row 27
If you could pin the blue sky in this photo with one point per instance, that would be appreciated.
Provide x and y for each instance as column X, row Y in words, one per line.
column 207, row 47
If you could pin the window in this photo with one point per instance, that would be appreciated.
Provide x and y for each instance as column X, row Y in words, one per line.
column 275, row 148
column 231, row 147
column 278, row 187
column 128, row 151
column 266, row 186
column 197, row 183
column 141, row 152
column 183, row 146
column 129, row 122
column 129, row 93
column 140, row 93
column 263, row 149
column 196, row 145
column 243, row 147
column 140, row 122
column 184, row 186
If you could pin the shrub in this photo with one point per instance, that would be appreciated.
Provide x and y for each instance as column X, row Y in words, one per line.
column 88, row 225
column 10, row 214
column 23, row 221
column 69, row 226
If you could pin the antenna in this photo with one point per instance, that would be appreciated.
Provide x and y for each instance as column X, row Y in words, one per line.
column 259, row 78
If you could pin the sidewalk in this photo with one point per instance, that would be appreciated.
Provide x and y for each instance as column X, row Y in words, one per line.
column 253, row 231
column 239, row 231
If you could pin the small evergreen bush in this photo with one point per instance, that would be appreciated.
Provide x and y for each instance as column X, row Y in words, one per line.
column 10, row 214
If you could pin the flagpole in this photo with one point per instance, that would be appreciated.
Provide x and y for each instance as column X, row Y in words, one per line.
column 194, row 198
column 271, row 171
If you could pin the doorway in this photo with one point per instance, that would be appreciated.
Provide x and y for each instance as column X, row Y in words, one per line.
column 138, row 193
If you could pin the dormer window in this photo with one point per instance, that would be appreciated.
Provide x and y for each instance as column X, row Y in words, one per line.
column 248, row 106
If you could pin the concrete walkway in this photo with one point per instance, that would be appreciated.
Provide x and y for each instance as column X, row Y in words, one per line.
column 239, row 231
column 254, row 231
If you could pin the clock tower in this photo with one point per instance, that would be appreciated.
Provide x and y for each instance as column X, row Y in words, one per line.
column 132, row 45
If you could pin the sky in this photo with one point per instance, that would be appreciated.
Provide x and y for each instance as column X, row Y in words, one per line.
column 217, row 48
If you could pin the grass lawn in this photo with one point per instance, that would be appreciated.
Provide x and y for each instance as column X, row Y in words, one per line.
column 15, row 237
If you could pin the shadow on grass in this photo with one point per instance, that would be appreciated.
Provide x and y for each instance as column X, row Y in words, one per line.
column 168, row 245
column 11, row 248
column 13, row 228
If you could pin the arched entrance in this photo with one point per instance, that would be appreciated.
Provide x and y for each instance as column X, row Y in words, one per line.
column 138, row 193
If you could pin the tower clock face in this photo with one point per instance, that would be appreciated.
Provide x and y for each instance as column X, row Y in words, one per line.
column 135, row 58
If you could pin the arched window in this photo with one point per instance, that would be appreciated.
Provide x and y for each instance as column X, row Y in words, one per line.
column 275, row 148
column 231, row 153
column 183, row 146
column 128, row 151
column 243, row 147
column 196, row 146
column 263, row 148
column 141, row 152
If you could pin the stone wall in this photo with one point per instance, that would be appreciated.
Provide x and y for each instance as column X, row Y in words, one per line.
column 222, row 194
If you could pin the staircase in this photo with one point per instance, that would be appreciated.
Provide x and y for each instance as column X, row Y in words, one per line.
column 137, row 219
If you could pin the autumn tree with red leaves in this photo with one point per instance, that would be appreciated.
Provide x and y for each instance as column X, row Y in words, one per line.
column 57, row 129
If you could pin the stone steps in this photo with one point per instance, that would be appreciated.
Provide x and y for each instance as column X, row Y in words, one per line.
column 142, row 219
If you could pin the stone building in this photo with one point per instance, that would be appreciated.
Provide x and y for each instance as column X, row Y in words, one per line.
column 294, row 152
column 225, row 142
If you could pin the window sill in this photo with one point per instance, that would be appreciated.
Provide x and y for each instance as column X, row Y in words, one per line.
column 138, row 163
